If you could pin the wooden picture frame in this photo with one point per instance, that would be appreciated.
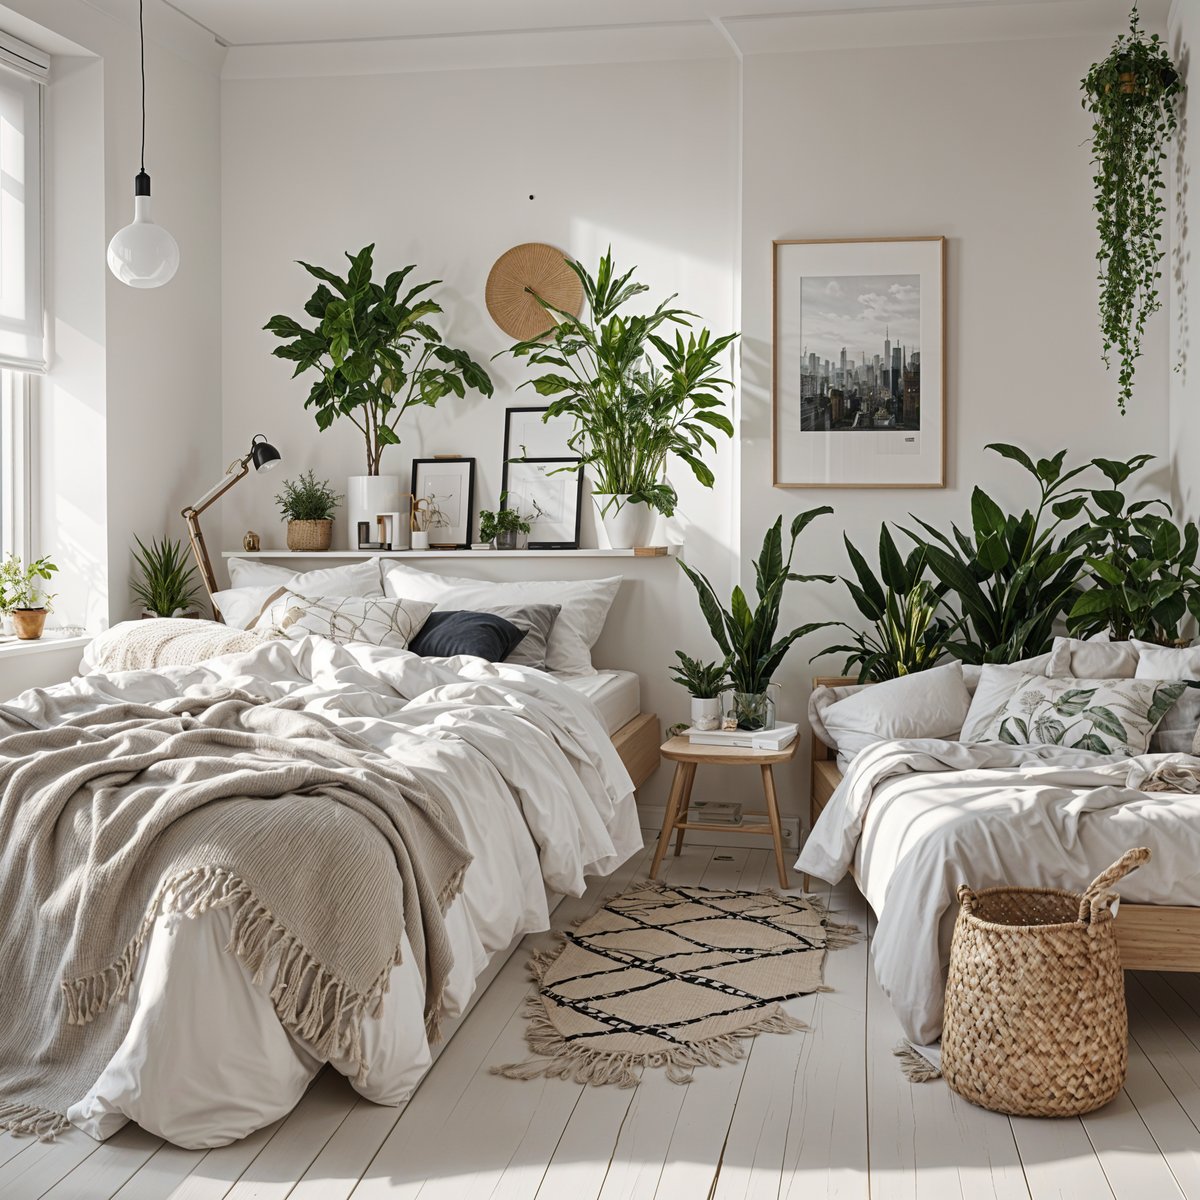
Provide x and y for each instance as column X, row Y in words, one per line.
column 837, row 418
column 447, row 484
column 560, row 529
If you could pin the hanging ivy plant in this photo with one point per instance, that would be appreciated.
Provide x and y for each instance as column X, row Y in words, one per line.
column 1132, row 97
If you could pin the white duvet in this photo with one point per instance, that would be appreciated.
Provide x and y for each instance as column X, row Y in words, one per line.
column 543, row 799
column 915, row 819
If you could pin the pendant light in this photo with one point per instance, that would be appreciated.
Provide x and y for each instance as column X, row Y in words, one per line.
column 143, row 254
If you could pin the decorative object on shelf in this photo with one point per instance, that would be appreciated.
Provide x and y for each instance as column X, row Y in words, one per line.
column 858, row 393
column 264, row 456
column 143, row 254
column 308, row 507
column 518, row 276
column 747, row 636
column 22, row 597
column 1132, row 96
column 507, row 529
column 168, row 586
column 551, row 491
column 444, row 491
column 251, row 543
column 631, row 413
column 704, row 682
column 531, row 433
column 906, row 634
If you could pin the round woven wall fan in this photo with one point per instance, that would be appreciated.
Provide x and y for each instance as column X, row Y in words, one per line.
column 541, row 269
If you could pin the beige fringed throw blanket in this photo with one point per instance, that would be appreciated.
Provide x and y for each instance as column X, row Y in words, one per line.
column 324, row 850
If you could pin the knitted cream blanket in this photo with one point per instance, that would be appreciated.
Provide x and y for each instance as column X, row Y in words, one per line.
column 324, row 850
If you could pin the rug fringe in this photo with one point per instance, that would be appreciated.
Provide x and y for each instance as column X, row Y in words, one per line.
column 916, row 1067
column 28, row 1119
column 560, row 1059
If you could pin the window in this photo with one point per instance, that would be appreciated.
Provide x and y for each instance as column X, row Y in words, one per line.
column 23, row 72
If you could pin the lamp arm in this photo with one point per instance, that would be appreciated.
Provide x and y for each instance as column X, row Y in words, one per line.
column 191, row 517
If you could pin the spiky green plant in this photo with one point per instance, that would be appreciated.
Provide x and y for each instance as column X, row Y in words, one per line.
column 167, row 581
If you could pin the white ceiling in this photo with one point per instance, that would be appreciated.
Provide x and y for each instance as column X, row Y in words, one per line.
column 280, row 22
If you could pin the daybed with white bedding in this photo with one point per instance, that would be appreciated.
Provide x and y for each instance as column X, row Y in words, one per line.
column 523, row 759
column 911, row 818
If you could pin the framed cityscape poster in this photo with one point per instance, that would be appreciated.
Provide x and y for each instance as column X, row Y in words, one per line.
column 858, row 395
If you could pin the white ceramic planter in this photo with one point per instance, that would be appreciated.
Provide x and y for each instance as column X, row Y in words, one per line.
column 369, row 496
column 706, row 713
column 625, row 524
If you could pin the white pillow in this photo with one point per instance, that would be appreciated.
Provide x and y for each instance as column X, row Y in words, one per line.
column 927, row 704
column 1178, row 730
column 240, row 608
column 584, row 606
column 996, row 683
column 375, row 620
column 354, row 579
column 1093, row 659
column 1105, row 716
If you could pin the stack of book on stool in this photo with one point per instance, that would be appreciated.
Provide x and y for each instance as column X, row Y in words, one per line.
column 716, row 812
column 783, row 735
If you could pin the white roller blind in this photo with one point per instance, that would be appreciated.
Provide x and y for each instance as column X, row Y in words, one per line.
column 22, row 305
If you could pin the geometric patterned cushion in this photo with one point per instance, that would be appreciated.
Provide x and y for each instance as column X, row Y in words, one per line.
column 376, row 620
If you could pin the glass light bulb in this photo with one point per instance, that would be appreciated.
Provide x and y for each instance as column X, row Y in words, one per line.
column 143, row 254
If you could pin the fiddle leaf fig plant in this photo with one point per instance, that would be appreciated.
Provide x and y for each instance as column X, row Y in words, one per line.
column 375, row 351
column 1132, row 96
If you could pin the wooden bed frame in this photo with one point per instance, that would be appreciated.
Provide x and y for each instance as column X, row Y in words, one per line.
column 638, row 742
column 1152, row 937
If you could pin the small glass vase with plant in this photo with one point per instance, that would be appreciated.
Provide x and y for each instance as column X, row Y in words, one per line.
column 637, row 400
column 507, row 529
column 307, row 505
column 704, row 682
column 166, row 584
column 22, row 596
column 747, row 636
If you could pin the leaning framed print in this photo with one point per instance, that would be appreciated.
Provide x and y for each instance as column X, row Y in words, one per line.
column 858, row 381
column 528, row 434
column 444, row 500
column 548, row 493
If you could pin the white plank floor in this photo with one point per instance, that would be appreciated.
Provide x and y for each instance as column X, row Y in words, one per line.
column 809, row 1115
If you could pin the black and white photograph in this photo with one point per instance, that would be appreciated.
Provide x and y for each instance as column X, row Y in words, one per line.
column 444, row 500
column 548, row 493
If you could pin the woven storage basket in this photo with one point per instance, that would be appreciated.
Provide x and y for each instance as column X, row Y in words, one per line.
column 1035, row 1021
column 309, row 535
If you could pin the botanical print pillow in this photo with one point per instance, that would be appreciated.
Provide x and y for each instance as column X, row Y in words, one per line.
column 376, row 620
column 1108, row 716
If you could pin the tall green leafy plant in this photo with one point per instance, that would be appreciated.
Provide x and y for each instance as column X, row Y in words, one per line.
column 907, row 633
column 637, row 398
column 375, row 352
column 745, row 635
column 1132, row 96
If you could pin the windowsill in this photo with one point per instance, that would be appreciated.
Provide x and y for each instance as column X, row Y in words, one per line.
column 10, row 647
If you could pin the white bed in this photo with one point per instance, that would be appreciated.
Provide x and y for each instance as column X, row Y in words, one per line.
column 205, row 1061
column 617, row 695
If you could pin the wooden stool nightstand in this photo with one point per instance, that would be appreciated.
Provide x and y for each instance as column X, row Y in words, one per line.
column 687, row 756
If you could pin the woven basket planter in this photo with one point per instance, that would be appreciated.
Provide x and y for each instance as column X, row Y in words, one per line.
column 1035, row 1022
column 309, row 535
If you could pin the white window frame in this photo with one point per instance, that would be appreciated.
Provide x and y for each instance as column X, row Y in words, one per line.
column 17, row 477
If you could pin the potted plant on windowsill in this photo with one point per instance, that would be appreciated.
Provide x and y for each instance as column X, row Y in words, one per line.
column 633, row 412
column 747, row 635
column 507, row 529
column 167, row 586
column 377, row 356
column 308, row 507
column 704, row 682
column 22, row 596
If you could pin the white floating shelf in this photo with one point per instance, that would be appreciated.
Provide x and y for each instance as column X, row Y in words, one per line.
column 640, row 552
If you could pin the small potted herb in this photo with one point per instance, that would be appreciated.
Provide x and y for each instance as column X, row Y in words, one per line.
column 167, row 587
column 704, row 682
column 308, row 508
column 22, row 596
column 507, row 529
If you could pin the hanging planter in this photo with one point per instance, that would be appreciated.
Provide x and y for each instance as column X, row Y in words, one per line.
column 1132, row 98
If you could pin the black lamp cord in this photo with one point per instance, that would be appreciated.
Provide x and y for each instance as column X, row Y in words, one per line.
column 142, row 45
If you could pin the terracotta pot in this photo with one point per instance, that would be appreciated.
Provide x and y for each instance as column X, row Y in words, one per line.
column 29, row 623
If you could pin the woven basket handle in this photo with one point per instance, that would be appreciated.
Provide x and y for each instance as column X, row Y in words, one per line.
column 1098, row 896
column 966, row 898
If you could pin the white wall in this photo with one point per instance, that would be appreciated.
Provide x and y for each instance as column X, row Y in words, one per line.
column 983, row 143
column 1183, row 277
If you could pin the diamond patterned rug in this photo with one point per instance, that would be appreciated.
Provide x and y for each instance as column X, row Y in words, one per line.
column 673, row 977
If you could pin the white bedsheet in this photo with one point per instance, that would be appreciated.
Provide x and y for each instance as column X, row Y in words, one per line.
column 915, row 819
column 543, row 798
column 617, row 695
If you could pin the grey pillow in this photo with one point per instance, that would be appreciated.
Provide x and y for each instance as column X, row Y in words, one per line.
column 535, row 621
